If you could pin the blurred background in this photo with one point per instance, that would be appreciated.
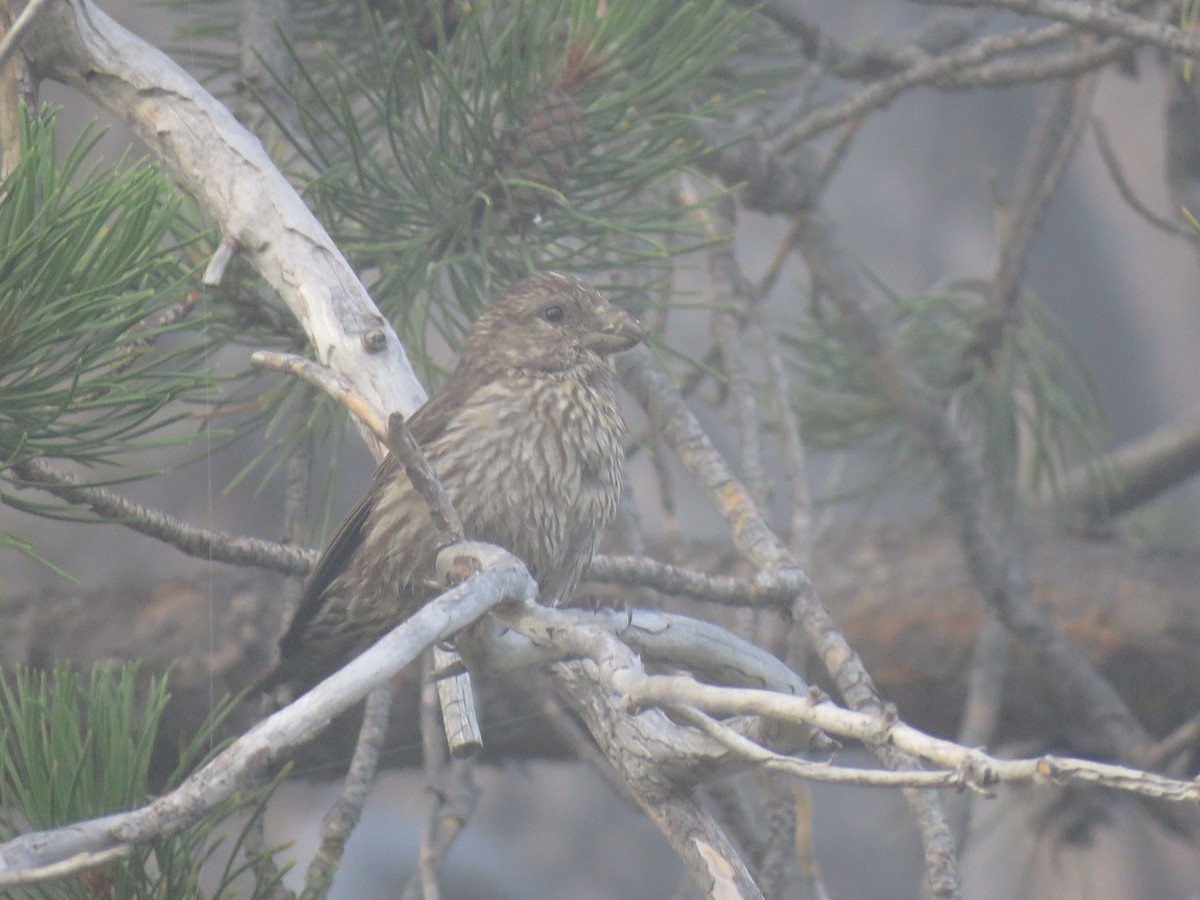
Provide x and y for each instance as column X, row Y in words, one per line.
column 915, row 197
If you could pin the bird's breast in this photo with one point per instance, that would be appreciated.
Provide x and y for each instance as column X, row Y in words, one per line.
column 534, row 465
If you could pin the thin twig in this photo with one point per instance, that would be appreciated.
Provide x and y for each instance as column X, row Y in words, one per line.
column 268, row 879
column 745, row 405
column 286, row 559
column 973, row 66
column 935, row 35
column 424, row 480
column 457, row 800
column 764, row 589
column 1125, row 189
column 1183, row 739
column 1132, row 474
column 779, row 870
column 727, row 329
column 12, row 39
column 834, row 157
column 726, row 273
column 1051, row 146
column 433, row 762
column 678, row 426
column 960, row 766
column 203, row 543
column 172, row 315
column 1039, row 68
column 619, row 669
column 800, row 540
column 751, row 535
column 881, row 93
column 778, row 865
column 789, row 858
column 80, row 862
column 767, row 178
column 998, row 574
column 1102, row 18
column 981, row 710
column 455, row 692
column 453, row 797
column 344, row 814
column 782, row 253
column 326, row 380
column 214, row 272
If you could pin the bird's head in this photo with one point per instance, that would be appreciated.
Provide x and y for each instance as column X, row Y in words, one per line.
column 548, row 322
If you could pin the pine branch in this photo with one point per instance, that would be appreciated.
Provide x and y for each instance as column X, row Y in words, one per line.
column 200, row 542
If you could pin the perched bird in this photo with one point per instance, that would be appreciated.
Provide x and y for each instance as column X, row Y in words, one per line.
column 525, row 436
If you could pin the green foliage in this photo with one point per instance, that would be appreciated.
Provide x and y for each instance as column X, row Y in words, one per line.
column 72, row 749
column 93, row 362
column 1015, row 387
column 530, row 136
column 450, row 148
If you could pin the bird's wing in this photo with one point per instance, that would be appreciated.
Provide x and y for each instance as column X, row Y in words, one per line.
column 331, row 563
column 426, row 424
column 435, row 414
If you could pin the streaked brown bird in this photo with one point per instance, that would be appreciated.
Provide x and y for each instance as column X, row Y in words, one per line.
column 525, row 436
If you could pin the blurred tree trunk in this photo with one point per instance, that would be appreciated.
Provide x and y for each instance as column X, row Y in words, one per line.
column 901, row 595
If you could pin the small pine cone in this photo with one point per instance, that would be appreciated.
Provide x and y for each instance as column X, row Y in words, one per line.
column 542, row 149
column 546, row 145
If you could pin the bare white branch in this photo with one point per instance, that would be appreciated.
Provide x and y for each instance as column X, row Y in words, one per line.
column 266, row 744
column 227, row 169
column 968, row 766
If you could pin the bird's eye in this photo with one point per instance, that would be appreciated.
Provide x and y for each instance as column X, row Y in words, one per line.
column 553, row 314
